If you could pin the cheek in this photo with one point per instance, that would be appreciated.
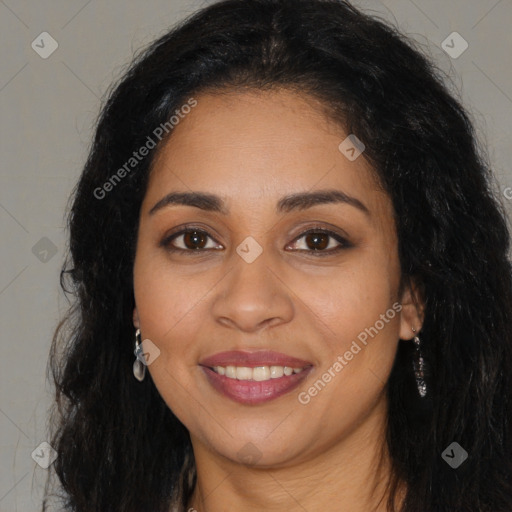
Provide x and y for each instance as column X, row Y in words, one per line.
column 164, row 296
column 366, row 330
column 353, row 297
column 168, row 307
column 358, row 310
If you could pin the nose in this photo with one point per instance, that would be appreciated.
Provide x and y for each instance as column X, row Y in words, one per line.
column 253, row 297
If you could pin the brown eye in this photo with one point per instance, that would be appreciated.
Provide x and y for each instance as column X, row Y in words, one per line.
column 194, row 240
column 320, row 242
column 190, row 240
column 316, row 241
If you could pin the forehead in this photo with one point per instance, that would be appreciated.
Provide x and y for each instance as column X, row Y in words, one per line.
column 249, row 145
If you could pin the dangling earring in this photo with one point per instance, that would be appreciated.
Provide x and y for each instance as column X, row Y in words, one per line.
column 139, row 369
column 419, row 367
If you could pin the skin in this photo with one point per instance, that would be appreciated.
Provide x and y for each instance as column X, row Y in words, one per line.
column 251, row 149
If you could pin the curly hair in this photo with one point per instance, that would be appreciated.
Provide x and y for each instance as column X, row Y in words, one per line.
column 120, row 447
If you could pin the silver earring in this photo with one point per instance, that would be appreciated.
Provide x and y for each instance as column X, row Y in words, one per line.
column 419, row 367
column 139, row 369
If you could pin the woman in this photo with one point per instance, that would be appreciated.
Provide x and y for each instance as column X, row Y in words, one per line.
column 291, row 278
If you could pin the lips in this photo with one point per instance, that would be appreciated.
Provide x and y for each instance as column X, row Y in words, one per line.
column 253, row 359
column 251, row 391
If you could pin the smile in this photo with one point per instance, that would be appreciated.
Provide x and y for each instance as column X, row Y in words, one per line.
column 259, row 373
column 254, row 377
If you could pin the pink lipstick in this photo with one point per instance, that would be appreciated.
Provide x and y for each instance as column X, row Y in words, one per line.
column 254, row 377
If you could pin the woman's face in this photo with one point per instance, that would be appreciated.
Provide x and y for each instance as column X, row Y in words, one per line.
column 237, row 305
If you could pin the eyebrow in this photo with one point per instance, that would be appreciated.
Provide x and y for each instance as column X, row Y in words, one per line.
column 298, row 201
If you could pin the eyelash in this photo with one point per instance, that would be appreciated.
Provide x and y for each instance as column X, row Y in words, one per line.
column 344, row 244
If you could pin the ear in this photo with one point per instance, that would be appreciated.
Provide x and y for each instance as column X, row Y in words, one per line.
column 413, row 308
column 136, row 321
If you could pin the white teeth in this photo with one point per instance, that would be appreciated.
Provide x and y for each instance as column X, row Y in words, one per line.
column 259, row 373
column 243, row 373
column 231, row 372
column 276, row 371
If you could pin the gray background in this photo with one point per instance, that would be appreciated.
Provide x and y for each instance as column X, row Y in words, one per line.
column 48, row 111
